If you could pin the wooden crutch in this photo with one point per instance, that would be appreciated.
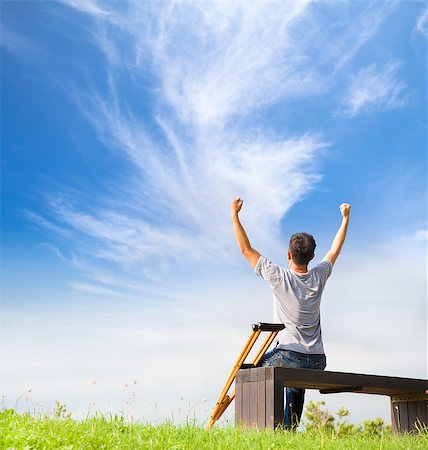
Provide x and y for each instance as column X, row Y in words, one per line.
column 225, row 400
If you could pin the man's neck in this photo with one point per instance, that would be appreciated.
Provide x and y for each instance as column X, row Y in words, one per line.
column 297, row 267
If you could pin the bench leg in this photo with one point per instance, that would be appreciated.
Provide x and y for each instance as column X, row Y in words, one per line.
column 259, row 401
column 409, row 412
column 274, row 400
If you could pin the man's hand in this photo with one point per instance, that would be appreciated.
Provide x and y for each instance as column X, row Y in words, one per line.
column 345, row 209
column 236, row 205
column 336, row 246
column 241, row 236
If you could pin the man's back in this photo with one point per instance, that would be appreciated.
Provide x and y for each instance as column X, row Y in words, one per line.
column 296, row 301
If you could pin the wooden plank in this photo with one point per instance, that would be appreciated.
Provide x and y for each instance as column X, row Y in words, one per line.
column 394, row 417
column 269, row 398
column 253, row 404
column 411, row 415
column 238, row 402
column 268, row 372
column 279, row 400
column 370, row 384
column 261, row 399
column 341, row 381
column 253, row 374
column 274, row 400
column 260, row 371
column 403, row 416
column 244, row 375
column 269, row 404
column 245, row 403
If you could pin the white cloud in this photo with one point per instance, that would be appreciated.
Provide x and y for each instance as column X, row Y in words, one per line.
column 88, row 6
column 194, row 207
column 235, row 58
column 422, row 22
column 17, row 43
column 363, row 28
column 213, row 69
column 374, row 88
column 91, row 288
column 214, row 64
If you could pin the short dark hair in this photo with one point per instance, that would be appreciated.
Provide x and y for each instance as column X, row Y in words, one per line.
column 302, row 247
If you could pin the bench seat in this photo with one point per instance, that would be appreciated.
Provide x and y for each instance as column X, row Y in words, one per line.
column 260, row 394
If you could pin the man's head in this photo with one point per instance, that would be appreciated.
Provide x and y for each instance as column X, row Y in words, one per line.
column 302, row 248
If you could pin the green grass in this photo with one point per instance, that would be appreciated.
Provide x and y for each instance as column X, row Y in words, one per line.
column 25, row 431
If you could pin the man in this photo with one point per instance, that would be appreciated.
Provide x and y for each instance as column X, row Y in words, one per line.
column 297, row 295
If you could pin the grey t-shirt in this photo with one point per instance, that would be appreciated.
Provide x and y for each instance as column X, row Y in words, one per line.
column 296, row 303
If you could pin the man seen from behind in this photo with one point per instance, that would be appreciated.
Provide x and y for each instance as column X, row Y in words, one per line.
column 296, row 298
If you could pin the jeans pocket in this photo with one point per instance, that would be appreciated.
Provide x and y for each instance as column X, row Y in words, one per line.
column 291, row 359
column 320, row 363
column 272, row 359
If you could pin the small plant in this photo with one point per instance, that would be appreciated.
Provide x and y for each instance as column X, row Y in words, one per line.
column 319, row 419
column 325, row 424
column 342, row 427
column 61, row 411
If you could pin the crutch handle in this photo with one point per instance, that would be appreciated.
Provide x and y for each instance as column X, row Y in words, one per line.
column 262, row 326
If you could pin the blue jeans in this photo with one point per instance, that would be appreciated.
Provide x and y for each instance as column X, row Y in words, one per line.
column 294, row 397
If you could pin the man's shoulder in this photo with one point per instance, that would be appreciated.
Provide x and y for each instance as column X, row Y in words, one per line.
column 267, row 269
column 324, row 263
column 324, row 267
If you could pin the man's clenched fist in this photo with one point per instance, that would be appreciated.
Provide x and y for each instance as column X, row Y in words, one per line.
column 345, row 209
column 236, row 205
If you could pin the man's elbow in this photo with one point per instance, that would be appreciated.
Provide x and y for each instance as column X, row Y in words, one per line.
column 246, row 250
column 251, row 255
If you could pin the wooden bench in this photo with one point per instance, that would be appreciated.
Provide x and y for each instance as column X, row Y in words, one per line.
column 260, row 394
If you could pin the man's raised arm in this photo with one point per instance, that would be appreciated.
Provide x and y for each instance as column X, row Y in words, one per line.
column 241, row 236
column 340, row 237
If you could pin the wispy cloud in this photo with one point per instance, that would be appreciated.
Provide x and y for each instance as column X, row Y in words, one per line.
column 422, row 22
column 17, row 43
column 90, row 288
column 375, row 88
column 212, row 68
column 91, row 7
column 215, row 66
column 236, row 57
column 363, row 28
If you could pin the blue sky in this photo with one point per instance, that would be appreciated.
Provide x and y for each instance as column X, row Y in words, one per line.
column 128, row 127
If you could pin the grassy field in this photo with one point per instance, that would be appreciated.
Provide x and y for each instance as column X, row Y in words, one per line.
column 25, row 431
